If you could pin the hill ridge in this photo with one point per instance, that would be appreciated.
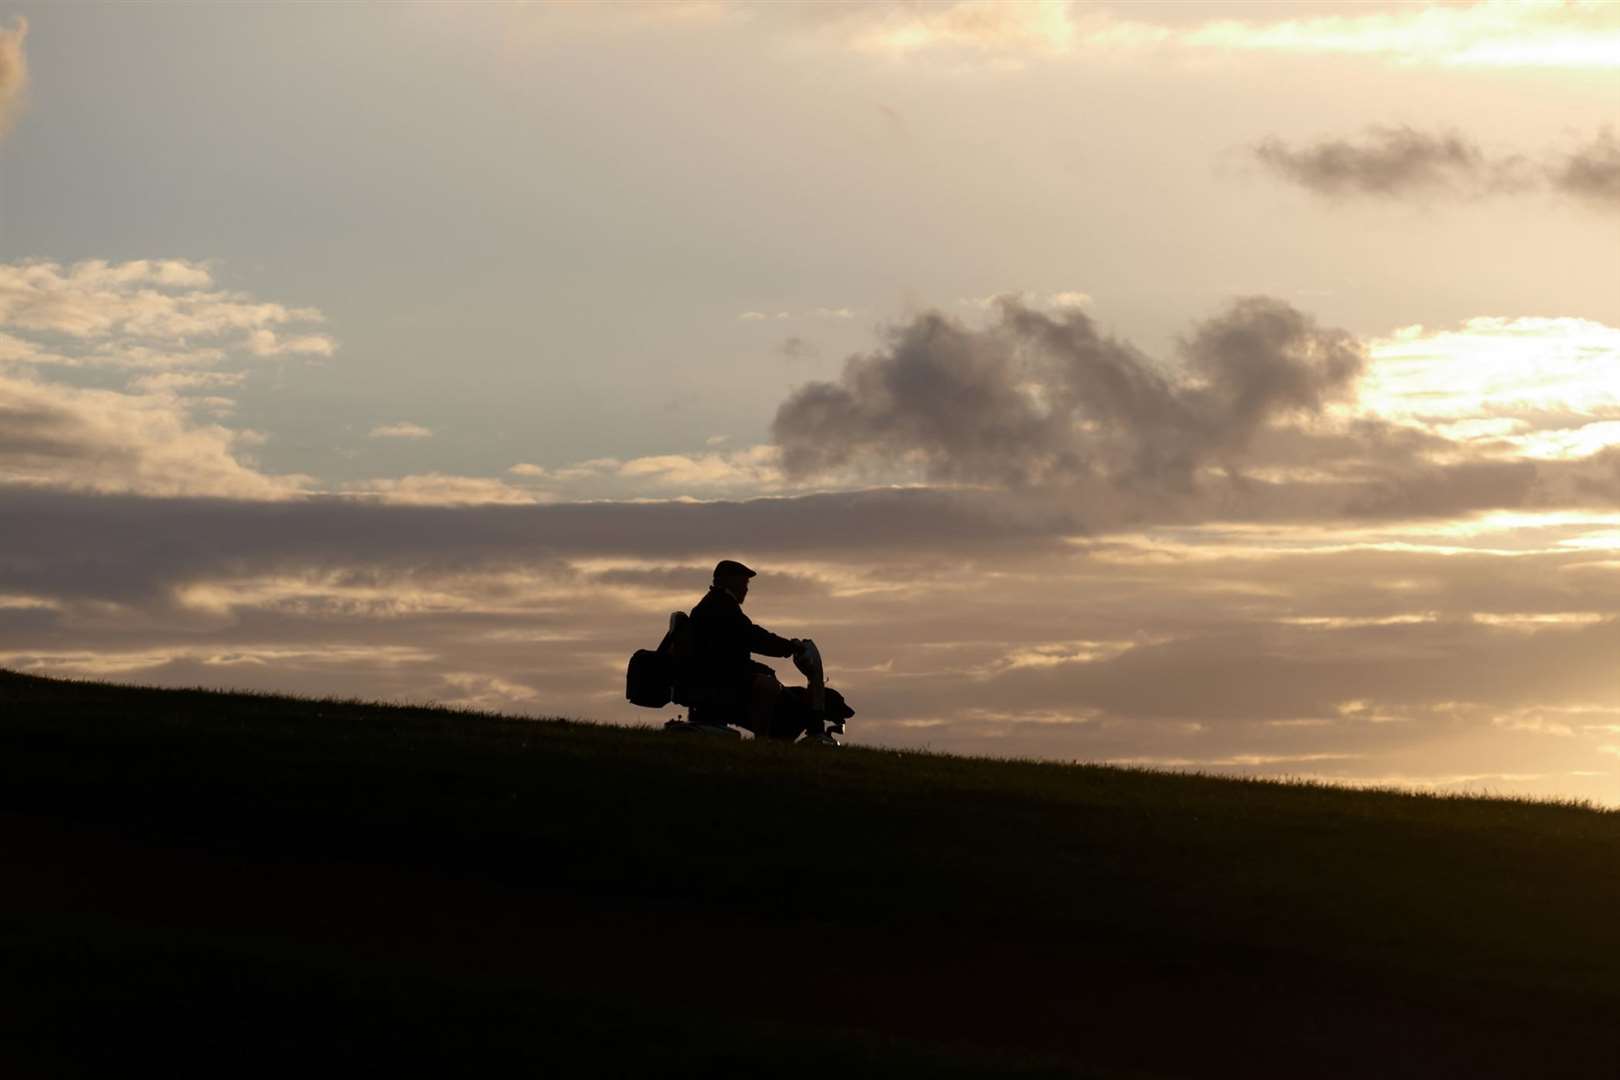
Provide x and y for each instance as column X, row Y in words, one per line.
column 987, row 915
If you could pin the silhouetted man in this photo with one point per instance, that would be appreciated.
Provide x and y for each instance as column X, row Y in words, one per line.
column 723, row 639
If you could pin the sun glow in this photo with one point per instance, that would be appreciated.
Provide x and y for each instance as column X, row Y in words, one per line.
column 1499, row 379
column 1497, row 33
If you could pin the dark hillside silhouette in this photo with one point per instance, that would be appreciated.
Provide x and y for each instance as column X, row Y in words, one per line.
column 253, row 884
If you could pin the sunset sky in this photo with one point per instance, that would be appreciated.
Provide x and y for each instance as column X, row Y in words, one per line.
column 1231, row 387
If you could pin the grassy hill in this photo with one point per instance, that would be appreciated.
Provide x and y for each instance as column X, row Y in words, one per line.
column 250, row 884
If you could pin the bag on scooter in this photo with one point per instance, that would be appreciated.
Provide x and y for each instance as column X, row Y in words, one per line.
column 650, row 679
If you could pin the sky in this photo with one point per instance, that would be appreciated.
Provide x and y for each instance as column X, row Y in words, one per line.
column 1225, row 387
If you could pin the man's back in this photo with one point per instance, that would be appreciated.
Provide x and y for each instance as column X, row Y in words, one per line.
column 723, row 638
column 719, row 638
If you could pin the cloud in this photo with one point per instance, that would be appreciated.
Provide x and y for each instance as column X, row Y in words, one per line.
column 983, row 34
column 402, row 429
column 1496, row 33
column 716, row 471
column 1492, row 413
column 441, row 489
column 143, row 313
column 489, row 693
column 13, row 72
column 1442, row 649
column 1403, row 163
column 1391, row 161
column 1592, row 172
column 752, row 468
column 1495, row 378
column 101, row 440
column 136, row 301
column 209, row 536
column 1038, row 399
column 1065, row 299
column 980, row 26
column 1238, row 428
column 262, row 342
column 713, row 472
column 165, row 330
column 179, row 382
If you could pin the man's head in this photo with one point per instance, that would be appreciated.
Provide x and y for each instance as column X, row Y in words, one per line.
column 733, row 577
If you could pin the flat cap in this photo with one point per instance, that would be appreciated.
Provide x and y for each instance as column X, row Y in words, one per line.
column 731, row 568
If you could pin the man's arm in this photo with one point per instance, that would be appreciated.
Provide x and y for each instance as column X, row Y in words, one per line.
column 765, row 643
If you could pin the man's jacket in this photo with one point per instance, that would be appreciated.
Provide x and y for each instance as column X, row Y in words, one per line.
column 723, row 638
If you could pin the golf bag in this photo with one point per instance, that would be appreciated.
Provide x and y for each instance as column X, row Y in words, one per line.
column 650, row 679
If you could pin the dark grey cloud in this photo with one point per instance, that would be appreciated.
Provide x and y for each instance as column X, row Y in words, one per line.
column 139, row 550
column 1404, row 163
column 1043, row 399
column 1592, row 172
column 38, row 430
column 1391, row 161
column 65, row 545
column 1435, row 491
